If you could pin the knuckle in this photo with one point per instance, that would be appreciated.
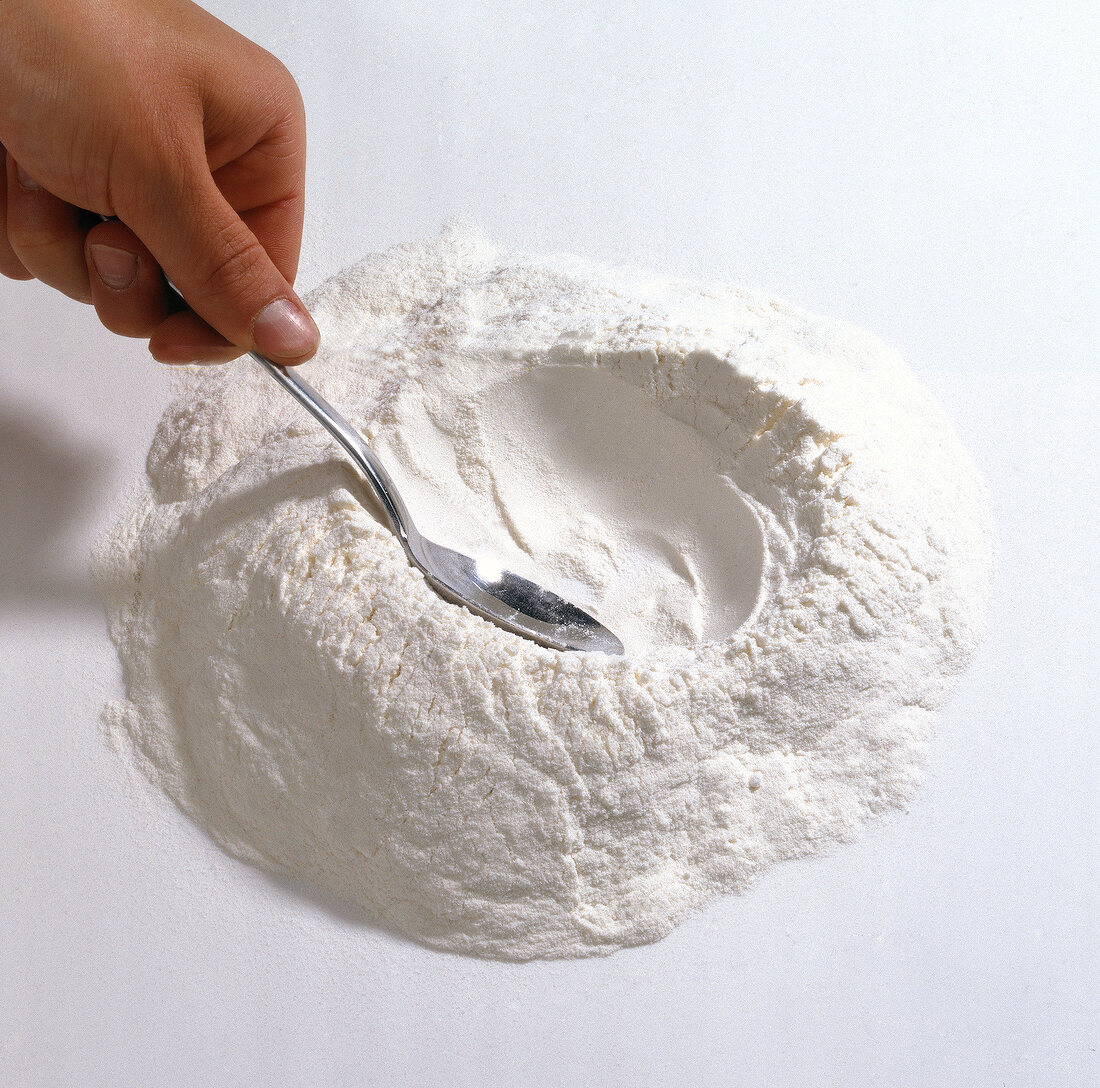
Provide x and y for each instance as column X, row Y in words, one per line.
column 52, row 253
column 126, row 324
column 29, row 239
column 239, row 261
column 281, row 77
column 285, row 96
column 295, row 100
column 10, row 265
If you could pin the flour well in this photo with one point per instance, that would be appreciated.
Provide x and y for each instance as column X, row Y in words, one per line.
column 587, row 487
column 765, row 506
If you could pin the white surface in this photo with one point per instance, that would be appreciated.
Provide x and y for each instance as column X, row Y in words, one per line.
column 924, row 171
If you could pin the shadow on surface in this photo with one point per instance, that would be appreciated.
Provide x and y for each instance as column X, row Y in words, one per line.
column 48, row 484
column 339, row 909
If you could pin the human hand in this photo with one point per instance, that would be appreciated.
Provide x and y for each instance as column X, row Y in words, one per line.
column 155, row 112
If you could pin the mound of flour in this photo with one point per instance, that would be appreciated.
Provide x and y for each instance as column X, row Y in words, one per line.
column 766, row 507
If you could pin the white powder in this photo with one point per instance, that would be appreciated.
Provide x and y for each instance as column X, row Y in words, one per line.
column 766, row 507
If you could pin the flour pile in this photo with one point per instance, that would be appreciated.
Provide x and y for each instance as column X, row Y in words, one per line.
column 765, row 506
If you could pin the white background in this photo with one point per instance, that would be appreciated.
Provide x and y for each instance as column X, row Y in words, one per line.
column 925, row 170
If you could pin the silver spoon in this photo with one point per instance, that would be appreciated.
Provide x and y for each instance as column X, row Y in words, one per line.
column 508, row 600
column 511, row 602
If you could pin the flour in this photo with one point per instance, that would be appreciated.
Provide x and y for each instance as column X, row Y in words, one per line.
column 766, row 507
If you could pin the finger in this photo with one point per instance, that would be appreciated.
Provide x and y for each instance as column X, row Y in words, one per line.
column 127, row 287
column 46, row 234
column 10, row 265
column 266, row 185
column 220, row 267
column 258, row 155
column 184, row 337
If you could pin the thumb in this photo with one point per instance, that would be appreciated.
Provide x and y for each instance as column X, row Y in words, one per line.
column 223, row 272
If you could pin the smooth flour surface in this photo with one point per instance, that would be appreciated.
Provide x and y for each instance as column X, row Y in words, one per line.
column 766, row 506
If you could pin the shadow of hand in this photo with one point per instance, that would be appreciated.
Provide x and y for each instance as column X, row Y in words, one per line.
column 47, row 485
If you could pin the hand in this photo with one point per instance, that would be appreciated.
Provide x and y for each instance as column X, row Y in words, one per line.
column 194, row 137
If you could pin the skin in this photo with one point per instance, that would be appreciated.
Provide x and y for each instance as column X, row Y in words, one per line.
column 193, row 137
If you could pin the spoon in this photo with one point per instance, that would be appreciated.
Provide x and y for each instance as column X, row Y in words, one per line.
column 511, row 602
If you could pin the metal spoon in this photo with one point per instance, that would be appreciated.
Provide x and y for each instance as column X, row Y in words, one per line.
column 508, row 600
column 511, row 602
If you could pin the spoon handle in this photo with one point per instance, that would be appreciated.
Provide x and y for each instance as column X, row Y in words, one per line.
column 349, row 438
column 345, row 434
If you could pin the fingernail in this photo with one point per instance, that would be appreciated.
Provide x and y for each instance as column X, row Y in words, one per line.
column 25, row 179
column 284, row 330
column 117, row 268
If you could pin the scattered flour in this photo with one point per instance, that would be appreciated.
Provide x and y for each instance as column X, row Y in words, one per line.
column 766, row 507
